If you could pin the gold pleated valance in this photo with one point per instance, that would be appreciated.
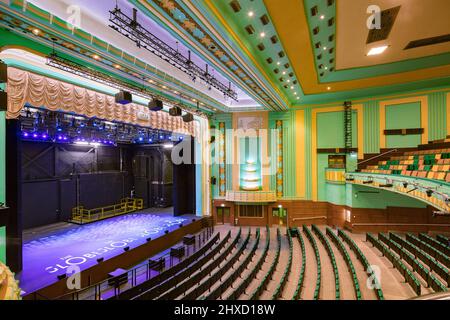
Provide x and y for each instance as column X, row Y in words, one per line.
column 44, row 92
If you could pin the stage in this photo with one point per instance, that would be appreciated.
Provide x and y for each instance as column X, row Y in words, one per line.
column 48, row 252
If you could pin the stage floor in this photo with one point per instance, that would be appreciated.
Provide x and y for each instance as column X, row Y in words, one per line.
column 49, row 251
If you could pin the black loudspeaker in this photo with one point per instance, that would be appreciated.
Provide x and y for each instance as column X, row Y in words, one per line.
column 3, row 72
column 3, row 100
column 155, row 105
column 213, row 138
column 175, row 111
column 347, row 103
column 124, row 97
column 61, row 276
column 213, row 180
column 188, row 117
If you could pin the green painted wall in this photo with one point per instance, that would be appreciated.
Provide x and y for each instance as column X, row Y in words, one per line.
column 371, row 126
column 437, row 116
column 403, row 116
column 2, row 183
column 366, row 197
column 3, row 244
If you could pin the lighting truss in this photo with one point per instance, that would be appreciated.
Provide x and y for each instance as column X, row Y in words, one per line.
column 55, row 61
column 143, row 38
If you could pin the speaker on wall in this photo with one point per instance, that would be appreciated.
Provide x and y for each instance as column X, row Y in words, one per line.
column 3, row 100
column 213, row 180
column 175, row 111
column 3, row 72
column 123, row 97
column 155, row 105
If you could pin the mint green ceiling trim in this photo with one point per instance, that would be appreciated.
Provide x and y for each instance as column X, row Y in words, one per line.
column 238, row 21
column 178, row 16
column 333, row 75
column 83, row 46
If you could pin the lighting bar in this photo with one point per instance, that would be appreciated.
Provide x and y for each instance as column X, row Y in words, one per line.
column 58, row 62
column 130, row 28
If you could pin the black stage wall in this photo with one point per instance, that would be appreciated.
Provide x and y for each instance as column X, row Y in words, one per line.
column 58, row 177
column 184, row 185
column 153, row 176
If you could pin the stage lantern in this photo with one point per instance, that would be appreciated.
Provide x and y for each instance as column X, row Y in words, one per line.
column 155, row 105
column 188, row 117
column 175, row 111
column 123, row 97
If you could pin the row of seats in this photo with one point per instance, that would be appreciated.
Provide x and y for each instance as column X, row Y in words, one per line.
column 244, row 284
column 217, row 292
column 362, row 258
column 436, row 244
column 411, row 253
column 181, row 277
column 386, row 250
column 301, row 278
column 183, row 265
column 330, row 253
column 276, row 295
column 212, row 279
column 444, row 240
column 319, row 267
column 438, row 255
column 265, row 281
column 330, row 233
column 429, row 164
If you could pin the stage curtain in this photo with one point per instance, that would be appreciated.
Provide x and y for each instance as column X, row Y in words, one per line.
column 39, row 91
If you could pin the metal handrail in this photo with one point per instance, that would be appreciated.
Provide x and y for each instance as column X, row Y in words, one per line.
column 377, row 156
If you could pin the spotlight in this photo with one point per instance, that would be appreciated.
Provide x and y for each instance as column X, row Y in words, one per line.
column 166, row 231
column 188, row 117
column 429, row 193
column 123, row 97
column 100, row 259
column 148, row 239
column 155, row 105
column 405, row 184
column 175, row 111
column 126, row 249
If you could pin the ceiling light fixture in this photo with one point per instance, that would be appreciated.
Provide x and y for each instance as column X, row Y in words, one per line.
column 322, row 17
column 262, row 34
column 132, row 29
column 328, row 88
column 377, row 50
column 324, row 48
column 250, row 13
column 36, row 31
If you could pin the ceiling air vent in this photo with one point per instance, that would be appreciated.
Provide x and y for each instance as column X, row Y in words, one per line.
column 331, row 38
column 281, row 54
column 250, row 29
column 264, row 19
column 316, row 30
column 330, row 2
column 286, row 65
column 276, row 70
column 318, row 45
column 388, row 17
column 314, row 11
column 269, row 60
column 274, row 39
column 330, row 22
column 428, row 42
column 261, row 46
column 235, row 5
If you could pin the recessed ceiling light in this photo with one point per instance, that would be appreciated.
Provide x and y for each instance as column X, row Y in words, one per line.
column 292, row 87
column 194, row 100
column 295, row 93
column 262, row 34
column 250, row 13
column 288, row 80
column 278, row 63
column 326, row 68
column 298, row 98
column 164, row 87
column 328, row 88
column 96, row 57
column 116, row 66
column 36, row 31
column 284, row 72
column 322, row 17
column 151, row 81
column 324, row 48
column 377, row 50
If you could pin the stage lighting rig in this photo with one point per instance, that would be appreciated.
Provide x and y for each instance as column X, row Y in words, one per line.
column 130, row 28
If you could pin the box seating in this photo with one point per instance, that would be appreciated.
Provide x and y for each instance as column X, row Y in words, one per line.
column 330, row 233
column 330, row 253
column 317, row 254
